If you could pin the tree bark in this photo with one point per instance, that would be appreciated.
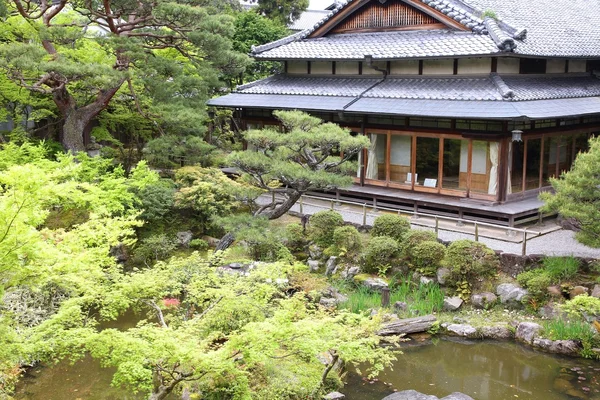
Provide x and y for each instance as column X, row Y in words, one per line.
column 282, row 208
column 225, row 242
column 73, row 130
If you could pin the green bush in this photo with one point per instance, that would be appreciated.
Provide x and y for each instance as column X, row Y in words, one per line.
column 199, row 244
column 154, row 248
column 427, row 257
column 561, row 268
column 346, row 239
column 413, row 238
column 268, row 248
column 322, row 225
column 536, row 281
column 390, row 225
column 295, row 238
column 379, row 254
column 559, row 329
column 468, row 260
column 582, row 306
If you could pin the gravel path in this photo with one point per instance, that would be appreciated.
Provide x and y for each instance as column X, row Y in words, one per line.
column 557, row 243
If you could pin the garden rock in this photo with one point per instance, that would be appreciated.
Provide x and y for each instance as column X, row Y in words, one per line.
column 527, row 332
column 565, row 347
column 510, row 293
column 452, row 303
column 554, row 291
column 331, row 266
column 334, row 396
column 483, row 300
column 408, row 325
column 350, row 272
column 315, row 252
column 184, row 238
column 577, row 291
column 496, row 333
column 425, row 280
column 442, row 275
column 596, row 291
column 314, row 265
column 375, row 283
column 120, row 253
column 464, row 330
column 549, row 311
column 400, row 306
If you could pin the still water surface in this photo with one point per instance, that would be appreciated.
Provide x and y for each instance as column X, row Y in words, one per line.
column 483, row 370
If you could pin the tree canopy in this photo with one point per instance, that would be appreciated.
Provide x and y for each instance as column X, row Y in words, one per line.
column 285, row 11
column 163, row 59
column 577, row 194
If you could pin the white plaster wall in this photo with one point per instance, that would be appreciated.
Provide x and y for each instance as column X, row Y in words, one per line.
column 555, row 66
column 508, row 65
column 320, row 68
column 438, row 67
column 346, row 68
column 405, row 67
column 370, row 71
column 577, row 65
column 471, row 66
column 297, row 67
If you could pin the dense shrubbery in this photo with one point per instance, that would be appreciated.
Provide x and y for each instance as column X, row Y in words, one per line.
column 413, row 238
column 553, row 271
column 294, row 237
column 379, row 254
column 322, row 225
column 536, row 281
column 467, row 261
column 427, row 256
column 582, row 306
column 346, row 241
column 389, row 225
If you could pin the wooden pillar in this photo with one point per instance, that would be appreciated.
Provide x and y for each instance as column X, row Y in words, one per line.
column 503, row 169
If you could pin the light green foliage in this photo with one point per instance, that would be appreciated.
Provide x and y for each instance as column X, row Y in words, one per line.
column 582, row 306
column 536, row 281
column 154, row 248
column 302, row 158
column 380, row 254
column 295, row 238
column 427, row 257
column 322, row 225
column 468, row 261
column 561, row 268
column 577, row 194
column 346, row 242
column 199, row 244
column 390, row 225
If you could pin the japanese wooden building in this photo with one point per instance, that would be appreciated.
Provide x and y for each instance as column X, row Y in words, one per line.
column 470, row 105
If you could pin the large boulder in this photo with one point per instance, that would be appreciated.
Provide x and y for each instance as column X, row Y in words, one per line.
column 577, row 291
column 511, row 294
column 565, row 347
column 452, row 303
column 596, row 291
column 350, row 272
column 414, row 395
column 463, row 330
column 184, row 238
column 483, row 300
column 527, row 332
column 374, row 283
column 331, row 266
column 315, row 252
column 314, row 265
column 334, row 396
column 442, row 275
column 408, row 325
column 495, row 333
column 426, row 280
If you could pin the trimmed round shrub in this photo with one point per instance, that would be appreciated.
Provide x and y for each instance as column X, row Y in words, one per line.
column 347, row 238
column 390, row 225
column 294, row 236
column 379, row 254
column 322, row 225
column 199, row 244
column 468, row 260
column 427, row 257
column 413, row 238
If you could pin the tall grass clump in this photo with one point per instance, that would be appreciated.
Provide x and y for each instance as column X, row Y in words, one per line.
column 582, row 331
column 421, row 299
column 561, row 268
column 362, row 299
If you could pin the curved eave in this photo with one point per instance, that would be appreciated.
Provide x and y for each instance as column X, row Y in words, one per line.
column 505, row 110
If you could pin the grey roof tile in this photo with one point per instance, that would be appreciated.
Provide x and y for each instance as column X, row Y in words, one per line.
column 436, row 89
column 552, row 87
column 308, row 19
column 385, row 45
column 315, row 86
column 279, row 101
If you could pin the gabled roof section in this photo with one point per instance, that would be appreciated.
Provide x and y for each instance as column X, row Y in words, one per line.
column 457, row 16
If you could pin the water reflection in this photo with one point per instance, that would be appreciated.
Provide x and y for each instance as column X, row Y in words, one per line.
column 483, row 370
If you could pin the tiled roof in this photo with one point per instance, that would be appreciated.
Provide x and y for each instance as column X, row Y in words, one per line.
column 481, row 88
column 308, row 19
column 551, row 28
column 386, row 45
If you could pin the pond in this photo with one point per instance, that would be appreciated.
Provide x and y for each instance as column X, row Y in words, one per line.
column 483, row 370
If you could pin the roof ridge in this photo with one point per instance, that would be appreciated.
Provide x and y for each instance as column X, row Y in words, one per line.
column 501, row 38
column 503, row 88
